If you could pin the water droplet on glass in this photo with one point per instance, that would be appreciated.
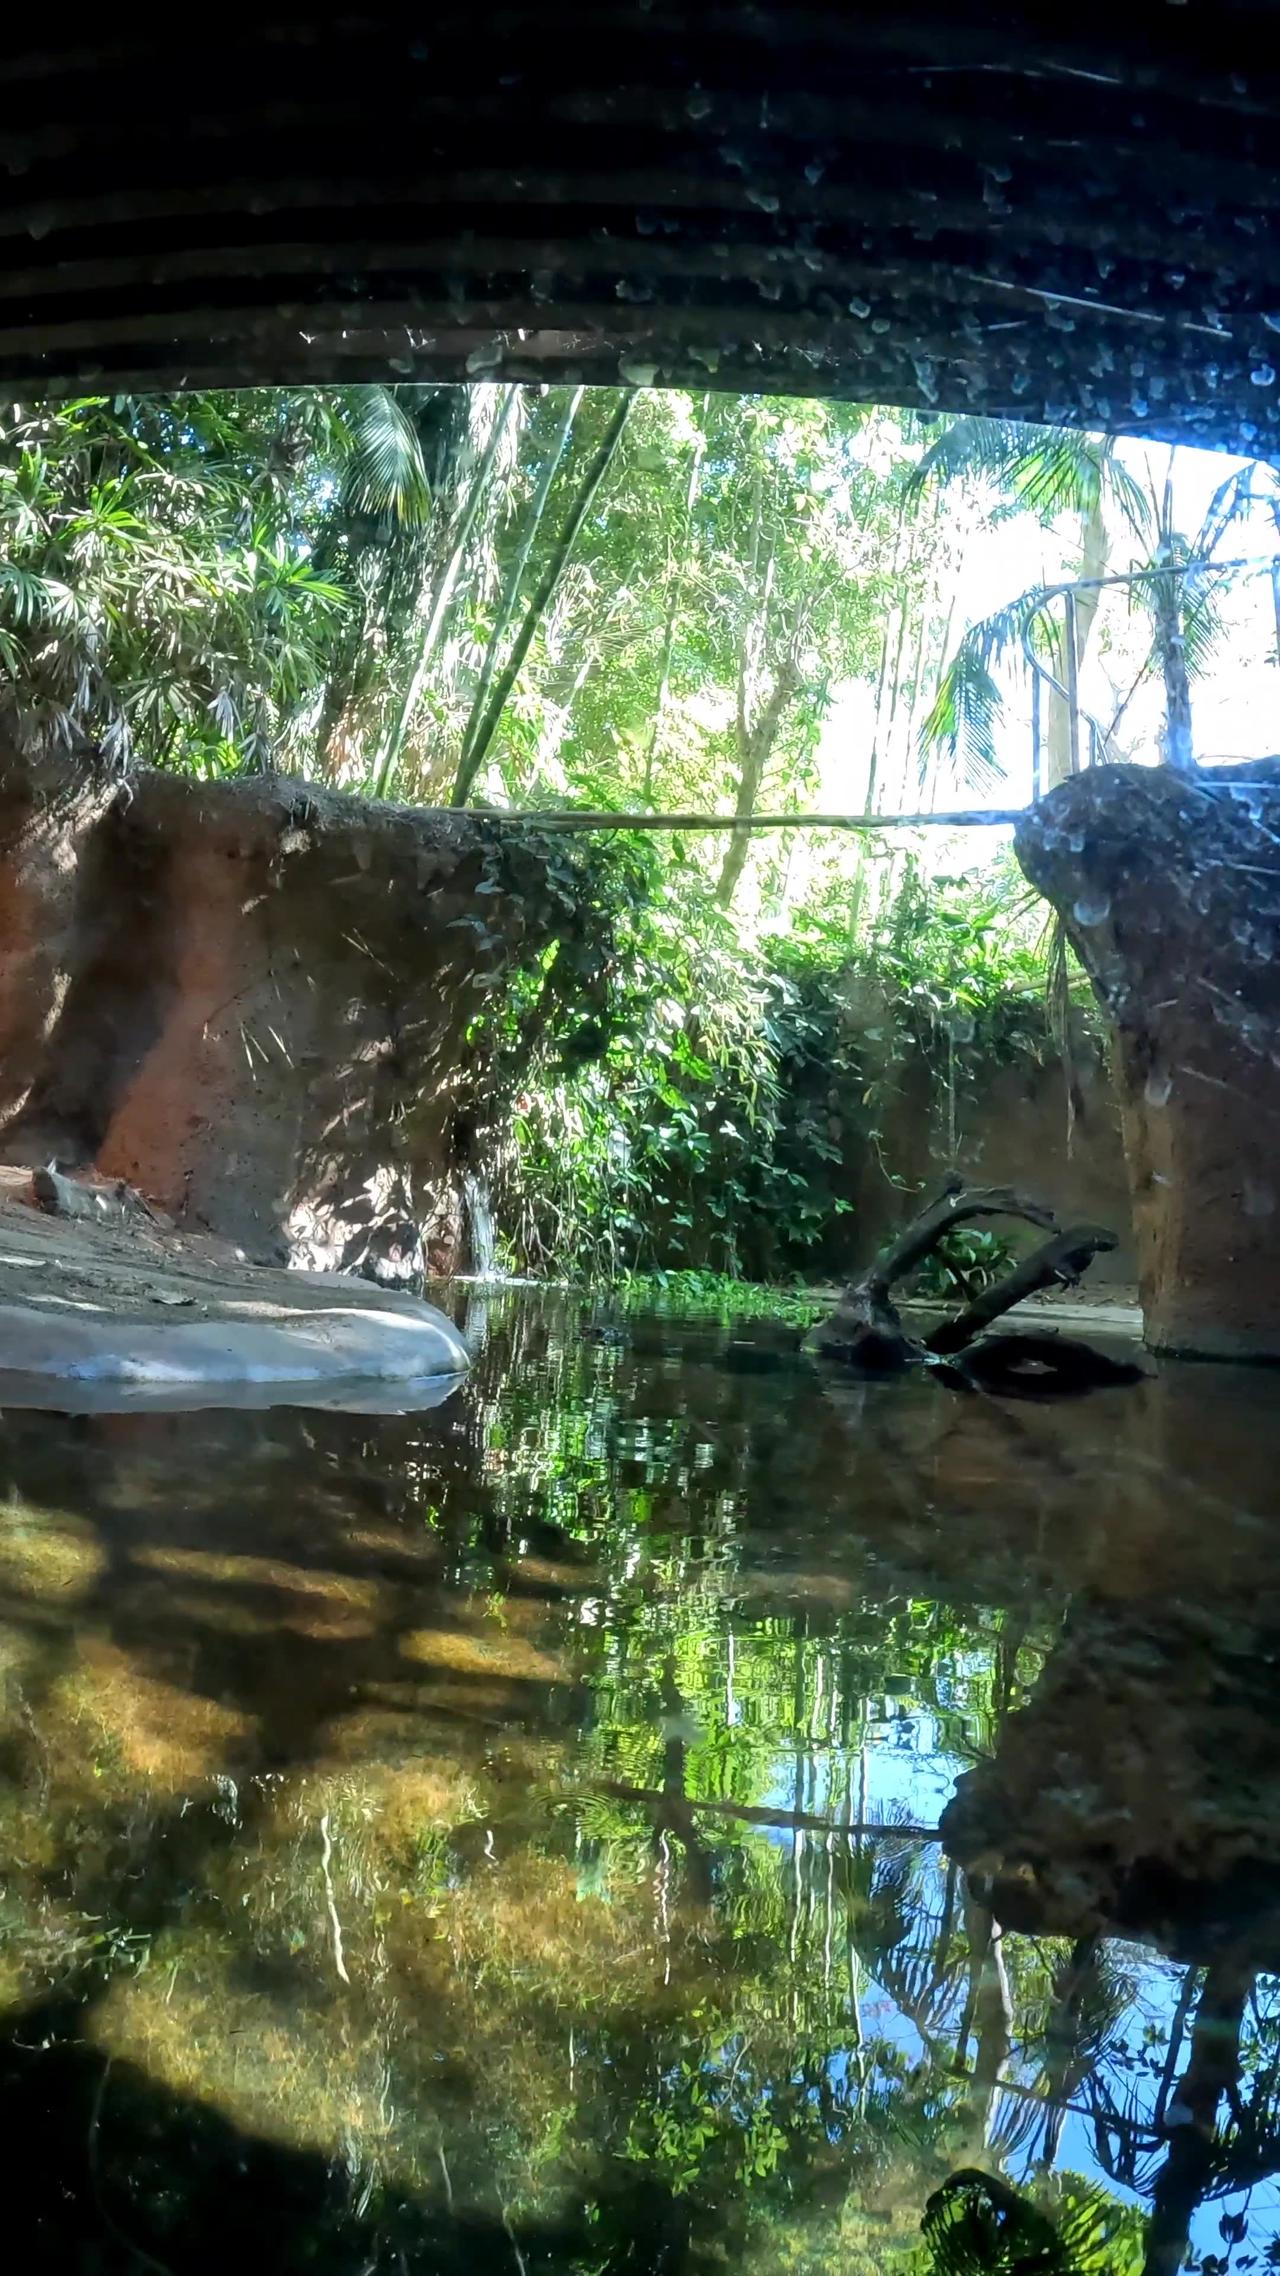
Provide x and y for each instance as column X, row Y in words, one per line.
column 961, row 1027
column 1157, row 1088
column 1257, row 1200
column 1263, row 375
column 1092, row 909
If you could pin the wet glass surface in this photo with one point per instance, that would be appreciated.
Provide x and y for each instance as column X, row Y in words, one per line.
column 509, row 1837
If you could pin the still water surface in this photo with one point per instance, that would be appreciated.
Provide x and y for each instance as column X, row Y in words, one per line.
column 509, row 1837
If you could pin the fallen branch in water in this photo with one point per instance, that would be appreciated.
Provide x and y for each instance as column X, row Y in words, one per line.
column 865, row 1326
column 1058, row 1262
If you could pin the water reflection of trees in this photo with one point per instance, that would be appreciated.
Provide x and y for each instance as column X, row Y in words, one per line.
column 1160, row 1821
column 571, row 1709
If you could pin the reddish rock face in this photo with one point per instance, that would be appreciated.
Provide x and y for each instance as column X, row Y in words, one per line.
column 1169, row 887
column 252, row 999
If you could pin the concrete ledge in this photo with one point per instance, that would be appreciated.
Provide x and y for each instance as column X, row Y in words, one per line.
column 100, row 1314
column 78, row 1345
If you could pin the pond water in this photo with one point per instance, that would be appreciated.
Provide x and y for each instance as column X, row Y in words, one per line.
column 508, row 1837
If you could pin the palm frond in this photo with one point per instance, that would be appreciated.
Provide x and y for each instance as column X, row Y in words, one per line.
column 968, row 449
column 975, row 2225
column 1124, row 491
column 1230, row 502
column 1046, row 471
column 32, row 599
column 1058, row 473
column 386, row 475
column 1204, row 623
column 1204, row 627
column 968, row 706
column 964, row 714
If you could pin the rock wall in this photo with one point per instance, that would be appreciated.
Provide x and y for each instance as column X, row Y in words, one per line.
column 1170, row 890
column 252, row 999
column 1015, row 1125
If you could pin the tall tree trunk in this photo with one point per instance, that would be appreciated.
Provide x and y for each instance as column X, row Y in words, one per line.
column 987, row 2014
column 756, row 730
column 1213, row 2069
column 543, row 594
column 340, row 685
column 1094, row 552
column 515, row 576
column 673, row 601
column 1171, row 650
column 389, row 756
column 1168, row 603
column 755, row 748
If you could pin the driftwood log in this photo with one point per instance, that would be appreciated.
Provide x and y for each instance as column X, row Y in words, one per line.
column 866, row 1329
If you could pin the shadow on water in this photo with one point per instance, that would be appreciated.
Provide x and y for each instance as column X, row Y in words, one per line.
column 510, row 1837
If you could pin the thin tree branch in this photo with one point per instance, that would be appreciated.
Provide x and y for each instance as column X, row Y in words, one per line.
column 753, row 1814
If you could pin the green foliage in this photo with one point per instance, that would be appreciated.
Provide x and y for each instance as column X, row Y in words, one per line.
column 715, row 1115
column 330, row 579
column 157, row 595
column 975, row 2225
column 963, row 1264
column 715, row 1295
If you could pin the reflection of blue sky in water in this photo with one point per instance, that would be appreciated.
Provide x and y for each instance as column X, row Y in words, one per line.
column 905, row 1776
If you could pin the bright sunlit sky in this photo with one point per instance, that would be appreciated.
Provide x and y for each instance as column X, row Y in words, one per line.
column 1234, row 705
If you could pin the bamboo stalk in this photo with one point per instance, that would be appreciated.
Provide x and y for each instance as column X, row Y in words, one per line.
column 515, row 578
column 389, row 755
column 540, row 600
